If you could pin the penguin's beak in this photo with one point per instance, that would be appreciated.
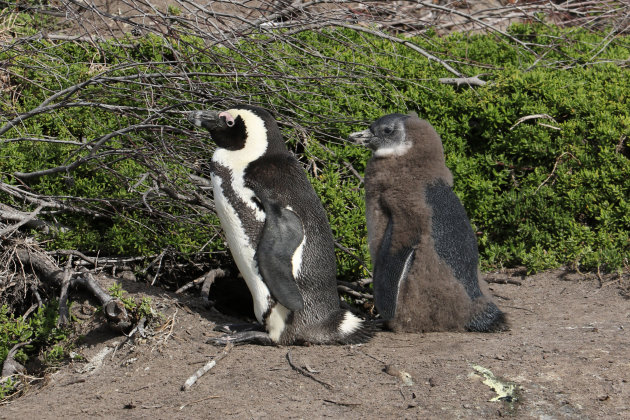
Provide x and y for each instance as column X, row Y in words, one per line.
column 210, row 120
column 361, row 137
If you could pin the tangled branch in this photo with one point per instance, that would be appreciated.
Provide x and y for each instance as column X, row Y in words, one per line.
column 150, row 63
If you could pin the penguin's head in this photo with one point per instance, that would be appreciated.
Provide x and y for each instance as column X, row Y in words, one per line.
column 243, row 128
column 387, row 136
column 396, row 135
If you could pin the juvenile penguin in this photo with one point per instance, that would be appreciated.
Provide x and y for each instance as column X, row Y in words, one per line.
column 423, row 248
column 277, row 232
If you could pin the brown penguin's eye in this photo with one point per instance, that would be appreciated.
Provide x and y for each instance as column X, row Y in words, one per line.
column 387, row 130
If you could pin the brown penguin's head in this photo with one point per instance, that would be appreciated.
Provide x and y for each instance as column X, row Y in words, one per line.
column 397, row 135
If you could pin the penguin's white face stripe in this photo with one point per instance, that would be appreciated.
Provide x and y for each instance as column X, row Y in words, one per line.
column 349, row 324
column 241, row 250
column 397, row 150
column 237, row 160
column 255, row 143
column 276, row 321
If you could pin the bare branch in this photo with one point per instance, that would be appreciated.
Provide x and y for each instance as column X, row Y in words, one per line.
column 24, row 220
column 531, row 117
column 555, row 166
column 41, row 263
column 203, row 370
column 10, row 366
column 469, row 81
column 305, row 373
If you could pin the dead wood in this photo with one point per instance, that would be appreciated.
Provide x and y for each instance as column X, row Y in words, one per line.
column 48, row 272
column 64, row 312
column 10, row 366
column 466, row 81
column 305, row 373
column 503, row 281
column 205, row 281
column 206, row 368
column 350, row 289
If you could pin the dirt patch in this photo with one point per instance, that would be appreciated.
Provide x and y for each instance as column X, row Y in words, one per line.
column 568, row 353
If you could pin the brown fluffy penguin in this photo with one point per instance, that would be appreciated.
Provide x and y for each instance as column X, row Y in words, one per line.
column 423, row 248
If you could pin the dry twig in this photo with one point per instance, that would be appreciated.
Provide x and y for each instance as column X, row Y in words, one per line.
column 555, row 166
column 305, row 373
column 10, row 366
column 467, row 81
column 532, row 117
column 203, row 370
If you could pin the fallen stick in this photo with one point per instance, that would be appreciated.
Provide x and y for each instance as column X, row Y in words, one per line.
column 47, row 271
column 10, row 366
column 503, row 281
column 209, row 279
column 305, row 373
column 355, row 293
column 203, row 370
column 344, row 404
column 457, row 81
column 64, row 311
column 209, row 397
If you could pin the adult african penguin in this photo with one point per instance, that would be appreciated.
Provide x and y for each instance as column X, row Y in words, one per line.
column 277, row 232
column 423, row 248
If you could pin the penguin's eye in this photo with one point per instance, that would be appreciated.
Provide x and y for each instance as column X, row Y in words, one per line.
column 228, row 122
column 388, row 130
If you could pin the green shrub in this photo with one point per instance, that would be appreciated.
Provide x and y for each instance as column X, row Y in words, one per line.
column 138, row 309
column 537, row 195
column 40, row 329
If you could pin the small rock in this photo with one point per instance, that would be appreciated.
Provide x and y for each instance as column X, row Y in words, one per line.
column 127, row 275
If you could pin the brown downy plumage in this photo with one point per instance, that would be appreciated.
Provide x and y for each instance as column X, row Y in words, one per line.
column 421, row 242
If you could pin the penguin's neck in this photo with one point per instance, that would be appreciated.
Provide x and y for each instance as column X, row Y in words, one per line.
column 416, row 165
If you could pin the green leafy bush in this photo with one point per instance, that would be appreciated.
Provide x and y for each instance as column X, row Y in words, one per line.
column 540, row 192
column 40, row 329
column 137, row 309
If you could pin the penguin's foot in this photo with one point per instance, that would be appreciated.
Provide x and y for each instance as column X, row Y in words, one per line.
column 243, row 337
column 234, row 327
column 490, row 319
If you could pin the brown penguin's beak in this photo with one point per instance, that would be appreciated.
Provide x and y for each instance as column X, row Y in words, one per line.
column 361, row 137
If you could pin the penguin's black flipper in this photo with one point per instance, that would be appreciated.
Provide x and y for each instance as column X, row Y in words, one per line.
column 281, row 236
column 453, row 235
column 390, row 270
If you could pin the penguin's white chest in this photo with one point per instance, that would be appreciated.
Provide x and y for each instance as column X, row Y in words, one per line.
column 241, row 247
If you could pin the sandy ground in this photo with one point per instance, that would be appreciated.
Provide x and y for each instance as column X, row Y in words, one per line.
column 567, row 354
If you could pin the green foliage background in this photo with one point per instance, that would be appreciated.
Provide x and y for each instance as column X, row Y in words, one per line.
column 538, row 195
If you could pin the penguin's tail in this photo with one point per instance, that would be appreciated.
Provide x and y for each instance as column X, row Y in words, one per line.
column 487, row 318
column 345, row 327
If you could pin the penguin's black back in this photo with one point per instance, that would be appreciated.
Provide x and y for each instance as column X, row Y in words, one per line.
column 281, row 177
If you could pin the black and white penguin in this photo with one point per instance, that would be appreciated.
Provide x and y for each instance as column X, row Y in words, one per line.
column 423, row 248
column 277, row 232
